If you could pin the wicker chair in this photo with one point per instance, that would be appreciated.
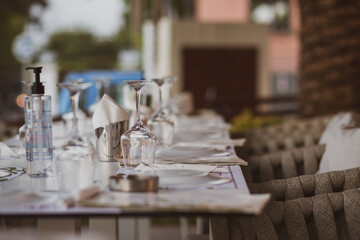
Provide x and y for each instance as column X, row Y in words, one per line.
column 289, row 126
column 309, row 185
column 301, row 208
column 325, row 216
column 283, row 164
column 282, row 141
column 287, row 136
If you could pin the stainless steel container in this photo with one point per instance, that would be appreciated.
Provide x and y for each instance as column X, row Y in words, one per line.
column 109, row 140
column 134, row 183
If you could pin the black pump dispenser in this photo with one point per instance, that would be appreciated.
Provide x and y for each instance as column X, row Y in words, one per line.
column 37, row 87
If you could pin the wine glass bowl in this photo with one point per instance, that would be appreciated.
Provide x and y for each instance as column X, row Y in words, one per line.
column 159, row 81
column 75, row 86
column 138, row 143
column 138, row 146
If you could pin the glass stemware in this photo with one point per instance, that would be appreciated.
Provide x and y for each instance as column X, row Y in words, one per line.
column 138, row 143
column 75, row 88
column 160, row 124
column 170, row 107
column 76, row 160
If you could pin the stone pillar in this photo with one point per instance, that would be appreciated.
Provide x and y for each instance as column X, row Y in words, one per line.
column 330, row 56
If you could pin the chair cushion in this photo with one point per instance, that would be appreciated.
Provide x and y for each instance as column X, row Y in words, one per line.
column 342, row 149
column 340, row 119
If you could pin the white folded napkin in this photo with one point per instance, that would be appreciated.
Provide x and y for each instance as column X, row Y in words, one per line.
column 6, row 151
column 201, row 145
column 216, row 143
column 220, row 161
column 108, row 111
column 198, row 167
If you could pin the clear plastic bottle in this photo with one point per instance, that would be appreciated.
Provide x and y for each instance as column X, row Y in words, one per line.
column 38, row 130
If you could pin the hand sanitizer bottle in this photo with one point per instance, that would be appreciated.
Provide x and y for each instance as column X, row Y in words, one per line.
column 38, row 130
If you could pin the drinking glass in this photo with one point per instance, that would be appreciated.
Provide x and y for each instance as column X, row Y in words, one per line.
column 159, row 123
column 169, row 107
column 138, row 143
column 75, row 170
column 75, row 140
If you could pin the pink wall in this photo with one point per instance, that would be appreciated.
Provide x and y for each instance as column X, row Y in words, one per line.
column 284, row 49
column 284, row 52
column 222, row 10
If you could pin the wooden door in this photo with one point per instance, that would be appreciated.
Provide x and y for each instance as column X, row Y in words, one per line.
column 223, row 79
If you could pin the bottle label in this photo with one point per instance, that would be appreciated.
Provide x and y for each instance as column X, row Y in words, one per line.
column 38, row 141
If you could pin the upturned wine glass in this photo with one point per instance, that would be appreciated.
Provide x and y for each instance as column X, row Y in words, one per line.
column 75, row 88
column 159, row 123
column 169, row 107
column 138, row 143
column 76, row 159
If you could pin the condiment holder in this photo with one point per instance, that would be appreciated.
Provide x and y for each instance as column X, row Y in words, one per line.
column 134, row 183
column 108, row 140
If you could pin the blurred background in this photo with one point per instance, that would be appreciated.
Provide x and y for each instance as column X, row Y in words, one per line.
column 253, row 61
column 274, row 57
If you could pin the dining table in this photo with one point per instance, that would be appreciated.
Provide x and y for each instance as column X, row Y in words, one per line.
column 123, row 215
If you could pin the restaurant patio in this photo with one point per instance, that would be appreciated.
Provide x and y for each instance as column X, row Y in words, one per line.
column 170, row 119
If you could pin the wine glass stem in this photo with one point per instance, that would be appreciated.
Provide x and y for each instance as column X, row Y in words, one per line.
column 170, row 90
column 138, row 119
column 74, row 110
column 160, row 97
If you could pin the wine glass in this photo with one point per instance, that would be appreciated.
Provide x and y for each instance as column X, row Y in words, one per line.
column 138, row 143
column 75, row 88
column 76, row 160
column 160, row 124
column 170, row 107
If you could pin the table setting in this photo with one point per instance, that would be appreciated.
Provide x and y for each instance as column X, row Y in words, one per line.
column 191, row 156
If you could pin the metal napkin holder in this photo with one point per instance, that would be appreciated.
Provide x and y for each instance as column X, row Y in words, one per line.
column 109, row 140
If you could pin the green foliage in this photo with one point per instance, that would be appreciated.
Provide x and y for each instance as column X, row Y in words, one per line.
column 128, row 39
column 81, row 50
column 248, row 121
